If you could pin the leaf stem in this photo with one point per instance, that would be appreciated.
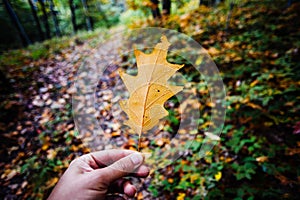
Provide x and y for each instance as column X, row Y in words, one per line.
column 139, row 143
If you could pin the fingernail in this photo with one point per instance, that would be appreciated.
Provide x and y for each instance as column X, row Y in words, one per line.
column 136, row 158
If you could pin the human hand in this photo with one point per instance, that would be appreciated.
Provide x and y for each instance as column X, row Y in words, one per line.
column 94, row 175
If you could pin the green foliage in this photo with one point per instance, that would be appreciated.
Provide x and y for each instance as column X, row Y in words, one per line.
column 130, row 16
column 262, row 78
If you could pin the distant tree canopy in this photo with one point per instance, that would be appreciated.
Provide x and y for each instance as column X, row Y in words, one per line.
column 26, row 21
column 23, row 22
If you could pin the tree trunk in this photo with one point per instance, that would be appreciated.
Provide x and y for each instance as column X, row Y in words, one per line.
column 229, row 18
column 166, row 5
column 73, row 15
column 36, row 19
column 155, row 9
column 55, row 20
column 45, row 19
column 88, row 19
column 24, row 37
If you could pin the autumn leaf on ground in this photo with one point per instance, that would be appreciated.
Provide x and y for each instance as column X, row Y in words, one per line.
column 149, row 89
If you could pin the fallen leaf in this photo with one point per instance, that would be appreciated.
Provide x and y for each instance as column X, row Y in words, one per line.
column 115, row 134
column 11, row 174
column 218, row 176
column 213, row 51
column 262, row 159
column 212, row 136
column 181, row 196
column 170, row 180
column 52, row 182
column 195, row 177
column 292, row 151
column 140, row 196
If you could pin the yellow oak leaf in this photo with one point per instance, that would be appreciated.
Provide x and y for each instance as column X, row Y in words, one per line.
column 181, row 196
column 149, row 89
column 218, row 176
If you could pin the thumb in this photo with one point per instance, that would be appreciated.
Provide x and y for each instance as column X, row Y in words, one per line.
column 122, row 167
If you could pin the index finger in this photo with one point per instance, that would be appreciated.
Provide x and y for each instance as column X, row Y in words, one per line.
column 107, row 157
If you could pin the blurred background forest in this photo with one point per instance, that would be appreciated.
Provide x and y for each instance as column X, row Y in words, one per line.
column 255, row 44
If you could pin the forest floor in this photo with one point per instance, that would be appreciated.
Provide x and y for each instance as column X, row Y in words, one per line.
column 258, row 57
column 36, row 118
